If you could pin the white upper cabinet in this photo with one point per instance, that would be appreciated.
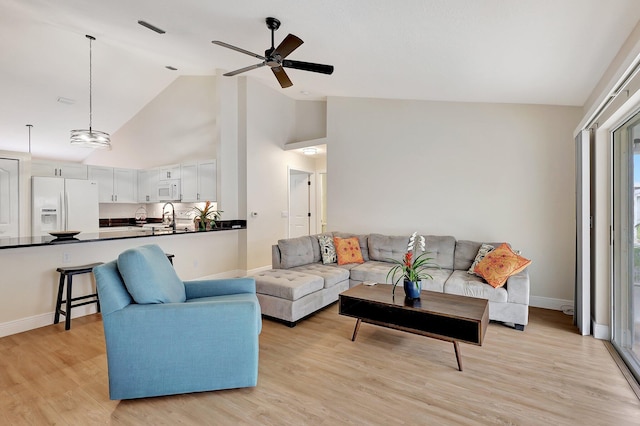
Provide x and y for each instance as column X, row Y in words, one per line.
column 115, row 185
column 148, row 185
column 199, row 181
column 58, row 169
column 170, row 172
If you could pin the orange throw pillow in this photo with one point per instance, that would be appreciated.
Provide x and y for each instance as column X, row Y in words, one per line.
column 499, row 264
column 348, row 250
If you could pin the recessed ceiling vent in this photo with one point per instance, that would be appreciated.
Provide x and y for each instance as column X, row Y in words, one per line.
column 152, row 27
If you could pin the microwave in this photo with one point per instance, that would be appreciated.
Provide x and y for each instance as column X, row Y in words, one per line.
column 168, row 190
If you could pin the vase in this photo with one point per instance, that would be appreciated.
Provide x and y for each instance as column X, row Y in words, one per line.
column 412, row 289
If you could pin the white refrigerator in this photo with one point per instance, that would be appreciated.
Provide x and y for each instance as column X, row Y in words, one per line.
column 64, row 205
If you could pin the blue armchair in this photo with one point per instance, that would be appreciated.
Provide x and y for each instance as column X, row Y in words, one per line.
column 165, row 336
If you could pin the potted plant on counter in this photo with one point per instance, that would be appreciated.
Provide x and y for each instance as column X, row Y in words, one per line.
column 206, row 215
column 413, row 271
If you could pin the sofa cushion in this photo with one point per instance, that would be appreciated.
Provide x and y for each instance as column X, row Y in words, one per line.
column 500, row 264
column 363, row 240
column 296, row 251
column 441, row 249
column 149, row 276
column 465, row 284
column 287, row 284
column 327, row 249
column 385, row 247
column 371, row 271
column 329, row 273
column 348, row 250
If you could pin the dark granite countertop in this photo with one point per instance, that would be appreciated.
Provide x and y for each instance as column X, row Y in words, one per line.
column 6, row 243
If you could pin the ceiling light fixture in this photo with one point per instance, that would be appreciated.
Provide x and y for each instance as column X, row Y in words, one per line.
column 151, row 27
column 309, row 151
column 90, row 138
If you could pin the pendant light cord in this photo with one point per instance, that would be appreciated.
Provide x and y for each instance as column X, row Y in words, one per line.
column 29, row 126
column 91, row 38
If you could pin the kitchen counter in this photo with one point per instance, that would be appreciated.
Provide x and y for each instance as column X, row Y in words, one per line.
column 105, row 234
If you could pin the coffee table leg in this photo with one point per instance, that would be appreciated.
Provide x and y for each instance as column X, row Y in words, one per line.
column 458, row 354
column 355, row 330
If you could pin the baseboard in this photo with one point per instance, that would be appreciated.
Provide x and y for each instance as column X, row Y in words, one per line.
column 600, row 331
column 25, row 324
column 223, row 275
column 550, row 303
column 260, row 269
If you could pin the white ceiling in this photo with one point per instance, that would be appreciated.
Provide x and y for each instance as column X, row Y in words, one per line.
column 513, row 51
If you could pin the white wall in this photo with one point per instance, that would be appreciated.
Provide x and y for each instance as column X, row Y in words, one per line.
column 484, row 172
column 30, row 282
column 177, row 125
column 268, row 123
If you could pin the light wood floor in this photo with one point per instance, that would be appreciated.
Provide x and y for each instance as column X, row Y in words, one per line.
column 314, row 374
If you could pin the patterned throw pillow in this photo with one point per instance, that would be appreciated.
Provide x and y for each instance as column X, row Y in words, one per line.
column 482, row 252
column 348, row 250
column 499, row 264
column 327, row 249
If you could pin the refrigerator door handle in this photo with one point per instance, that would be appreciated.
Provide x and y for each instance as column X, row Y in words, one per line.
column 66, row 211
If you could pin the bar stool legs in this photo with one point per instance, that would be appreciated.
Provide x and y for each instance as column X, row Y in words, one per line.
column 68, row 273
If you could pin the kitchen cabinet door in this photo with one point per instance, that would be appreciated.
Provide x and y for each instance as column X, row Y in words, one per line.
column 148, row 185
column 199, row 181
column 170, row 172
column 125, row 186
column 207, row 181
column 104, row 177
column 189, row 182
column 58, row 169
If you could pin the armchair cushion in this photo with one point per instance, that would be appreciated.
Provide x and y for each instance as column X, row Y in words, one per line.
column 149, row 276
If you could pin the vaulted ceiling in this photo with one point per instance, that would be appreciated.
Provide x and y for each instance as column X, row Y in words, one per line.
column 513, row 51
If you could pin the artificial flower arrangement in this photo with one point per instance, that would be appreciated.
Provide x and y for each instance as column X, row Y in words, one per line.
column 206, row 214
column 411, row 269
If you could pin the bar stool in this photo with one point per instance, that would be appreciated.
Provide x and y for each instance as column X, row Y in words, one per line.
column 68, row 272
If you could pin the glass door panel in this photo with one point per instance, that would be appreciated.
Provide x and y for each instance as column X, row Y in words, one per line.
column 626, row 242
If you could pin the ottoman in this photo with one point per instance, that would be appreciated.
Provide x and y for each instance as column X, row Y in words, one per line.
column 289, row 295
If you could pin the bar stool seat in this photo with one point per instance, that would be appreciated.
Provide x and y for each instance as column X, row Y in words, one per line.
column 68, row 272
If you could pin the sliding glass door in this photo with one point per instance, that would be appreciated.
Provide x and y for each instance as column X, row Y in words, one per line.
column 626, row 242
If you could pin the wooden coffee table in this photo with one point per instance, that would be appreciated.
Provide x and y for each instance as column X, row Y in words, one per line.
column 447, row 317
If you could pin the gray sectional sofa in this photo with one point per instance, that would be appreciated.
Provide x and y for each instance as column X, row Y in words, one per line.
column 300, row 284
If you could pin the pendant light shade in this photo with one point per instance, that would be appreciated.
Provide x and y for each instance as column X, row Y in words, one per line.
column 90, row 138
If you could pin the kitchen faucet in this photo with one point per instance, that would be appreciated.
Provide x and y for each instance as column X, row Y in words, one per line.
column 173, row 215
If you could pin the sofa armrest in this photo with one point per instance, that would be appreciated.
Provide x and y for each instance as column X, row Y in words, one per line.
column 518, row 288
column 219, row 287
column 275, row 257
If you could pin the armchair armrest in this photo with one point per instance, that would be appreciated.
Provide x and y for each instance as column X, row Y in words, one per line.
column 518, row 288
column 219, row 287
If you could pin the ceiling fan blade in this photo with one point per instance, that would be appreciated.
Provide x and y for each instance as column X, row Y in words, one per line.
column 282, row 77
column 308, row 66
column 288, row 45
column 238, row 49
column 241, row 70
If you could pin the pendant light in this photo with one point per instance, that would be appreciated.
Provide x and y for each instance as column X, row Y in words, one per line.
column 90, row 138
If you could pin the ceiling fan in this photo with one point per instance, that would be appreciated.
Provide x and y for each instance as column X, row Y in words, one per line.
column 275, row 57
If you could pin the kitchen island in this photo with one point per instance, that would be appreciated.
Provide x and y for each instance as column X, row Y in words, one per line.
column 29, row 279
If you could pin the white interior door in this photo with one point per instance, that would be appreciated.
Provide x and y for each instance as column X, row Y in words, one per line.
column 299, row 203
column 9, row 210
